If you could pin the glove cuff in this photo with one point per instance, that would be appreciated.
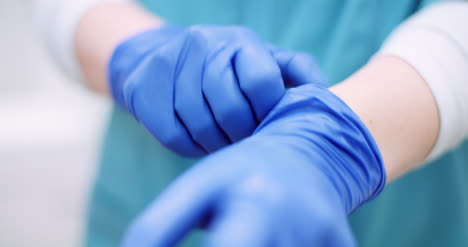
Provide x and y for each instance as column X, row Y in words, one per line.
column 316, row 122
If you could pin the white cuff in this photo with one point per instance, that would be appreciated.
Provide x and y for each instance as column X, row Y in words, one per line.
column 58, row 21
column 435, row 43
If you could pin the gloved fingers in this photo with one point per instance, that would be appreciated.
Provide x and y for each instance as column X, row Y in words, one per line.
column 221, row 89
column 189, row 103
column 241, row 223
column 150, row 98
column 259, row 78
column 177, row 211
column 297, row 68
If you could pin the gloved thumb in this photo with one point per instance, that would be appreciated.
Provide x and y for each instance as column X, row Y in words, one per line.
column 297, row 68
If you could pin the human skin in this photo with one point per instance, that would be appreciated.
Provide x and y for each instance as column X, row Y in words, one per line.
column 389, row 96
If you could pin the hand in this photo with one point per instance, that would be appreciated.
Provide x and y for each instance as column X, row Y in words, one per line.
column 201, row 88
column 309, row 164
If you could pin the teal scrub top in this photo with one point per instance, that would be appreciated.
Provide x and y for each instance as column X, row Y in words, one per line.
column 428, row 207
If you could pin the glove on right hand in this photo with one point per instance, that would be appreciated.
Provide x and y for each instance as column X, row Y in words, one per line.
column 201, row 88
column 309, row 164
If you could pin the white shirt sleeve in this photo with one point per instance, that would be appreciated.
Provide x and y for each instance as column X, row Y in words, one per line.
column 435, row 43
column 57, row 21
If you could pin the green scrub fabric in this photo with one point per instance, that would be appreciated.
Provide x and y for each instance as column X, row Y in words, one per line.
column 428, row 207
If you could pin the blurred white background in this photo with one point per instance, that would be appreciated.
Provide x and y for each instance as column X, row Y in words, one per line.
column 50, row 130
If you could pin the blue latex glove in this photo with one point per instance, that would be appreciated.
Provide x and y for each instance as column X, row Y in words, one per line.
column 201, row 88
column 309, row 164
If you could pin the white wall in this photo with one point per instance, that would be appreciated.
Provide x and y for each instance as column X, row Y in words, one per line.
column 49, row 139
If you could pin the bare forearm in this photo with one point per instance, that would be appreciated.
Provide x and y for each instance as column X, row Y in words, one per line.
column 99, row 32
column 398, row 108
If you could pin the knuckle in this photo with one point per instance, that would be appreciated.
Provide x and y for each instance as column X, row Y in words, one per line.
column 206, row 82
column 304, row 58
column 265, row 77
column 210, row 77
column 242, row 30
column 179, row 105
column 196, row 31
column 160, row 61
column 171, row 138
column 269, row 72
column 201, row 131
column 226, row 117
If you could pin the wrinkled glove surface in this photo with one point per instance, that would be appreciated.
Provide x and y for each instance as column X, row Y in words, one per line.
column 201, row 88
column 309, row 164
